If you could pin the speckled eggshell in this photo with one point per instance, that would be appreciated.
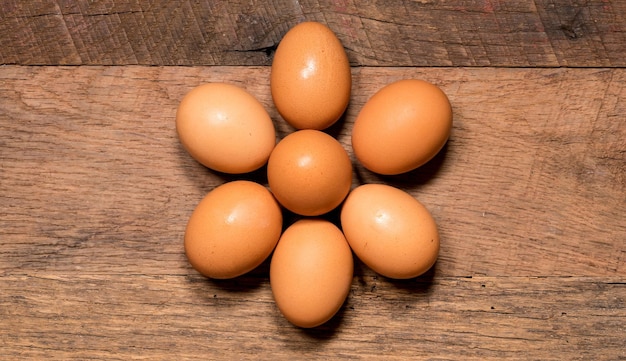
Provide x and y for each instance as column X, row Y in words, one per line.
column 233, row 229
column 311, row 272
column 390, row 231
column 309, row 172
column 401, row 127
column 310, row 77
column 225, row 128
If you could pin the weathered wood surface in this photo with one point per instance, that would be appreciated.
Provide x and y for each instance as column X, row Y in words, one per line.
column 540, row 33
column 529, row 194
column 186, row 317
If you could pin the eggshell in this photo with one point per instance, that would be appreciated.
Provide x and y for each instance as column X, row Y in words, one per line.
column 310, row 77
column 390, row 231
column 311, row 272
column 402, row 126
column 233, row 229
column 225, row 128
column 309, row 172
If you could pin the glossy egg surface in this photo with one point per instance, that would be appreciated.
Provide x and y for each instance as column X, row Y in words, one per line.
column 310, row 77
column 311, row 272
column 390, row 231
column 225, row 128
column 401, row 127
column 309, row 172
column 233, row 229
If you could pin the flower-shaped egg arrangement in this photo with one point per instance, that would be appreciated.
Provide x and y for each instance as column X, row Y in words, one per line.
column 239, row 224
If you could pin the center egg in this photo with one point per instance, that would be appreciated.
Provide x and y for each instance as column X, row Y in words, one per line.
column 309, row 172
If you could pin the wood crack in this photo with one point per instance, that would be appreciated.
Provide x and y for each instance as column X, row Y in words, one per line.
column 267, row 50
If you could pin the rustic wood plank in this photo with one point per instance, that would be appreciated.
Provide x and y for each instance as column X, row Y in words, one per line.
column 76, row 316
column 542, row 33
column 93, row 178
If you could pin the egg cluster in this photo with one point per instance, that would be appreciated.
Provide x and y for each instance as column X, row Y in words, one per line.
column 239, row 224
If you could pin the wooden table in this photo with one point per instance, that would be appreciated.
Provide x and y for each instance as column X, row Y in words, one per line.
column 529, row 193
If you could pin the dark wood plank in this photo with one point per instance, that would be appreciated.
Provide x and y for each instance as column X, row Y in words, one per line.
column 543, row 33
column 93, row 178
column 122, row 316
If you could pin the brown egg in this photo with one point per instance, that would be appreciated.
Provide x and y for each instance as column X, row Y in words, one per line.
column 225, row 128
column 233, row 229
column 309, row 172
column 310, row 77
column 390, row 231
column 401, row 127
column 311, row 272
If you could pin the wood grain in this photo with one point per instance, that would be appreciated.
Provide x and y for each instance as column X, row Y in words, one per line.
column 534, row 169
column 529, row 195
column 186, row 317
column 541, row 33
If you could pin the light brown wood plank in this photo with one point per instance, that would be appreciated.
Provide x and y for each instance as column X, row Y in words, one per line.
column 542, row 33
column 93, row 178
column 78, row 316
